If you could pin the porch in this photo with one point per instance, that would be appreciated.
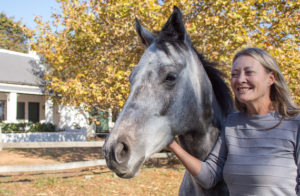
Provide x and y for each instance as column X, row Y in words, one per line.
column 24, row 103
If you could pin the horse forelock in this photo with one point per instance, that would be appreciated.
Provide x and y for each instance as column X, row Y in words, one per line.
column 164, row 38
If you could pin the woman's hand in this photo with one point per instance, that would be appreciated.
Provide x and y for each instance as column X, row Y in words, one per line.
column 173, row 145
column 191, row 163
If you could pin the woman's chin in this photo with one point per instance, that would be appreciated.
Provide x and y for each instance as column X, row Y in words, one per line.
column 243, row 99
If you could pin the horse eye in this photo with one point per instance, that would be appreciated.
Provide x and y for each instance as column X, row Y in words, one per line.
column 171, row 77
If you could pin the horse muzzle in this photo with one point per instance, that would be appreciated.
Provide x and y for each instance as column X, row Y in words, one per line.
column 117, row 155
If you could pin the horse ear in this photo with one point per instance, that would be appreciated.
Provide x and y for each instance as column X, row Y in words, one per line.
column 146, row 36
column 175, row 28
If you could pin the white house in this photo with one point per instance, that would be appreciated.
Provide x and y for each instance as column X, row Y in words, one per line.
column 22, row 97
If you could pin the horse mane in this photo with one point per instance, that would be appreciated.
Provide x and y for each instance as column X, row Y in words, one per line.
column 220, row 88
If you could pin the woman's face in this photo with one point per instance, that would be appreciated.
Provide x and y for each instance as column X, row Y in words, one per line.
column 250, row 81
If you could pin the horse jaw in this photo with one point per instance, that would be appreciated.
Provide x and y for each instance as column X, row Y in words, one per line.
column 159, row 135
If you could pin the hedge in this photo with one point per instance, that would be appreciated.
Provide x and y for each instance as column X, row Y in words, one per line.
column 28, row 127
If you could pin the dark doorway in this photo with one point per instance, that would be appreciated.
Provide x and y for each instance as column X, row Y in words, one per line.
column 21, row 110
column 33, row 111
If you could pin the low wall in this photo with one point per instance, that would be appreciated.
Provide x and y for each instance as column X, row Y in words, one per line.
column 65, row 136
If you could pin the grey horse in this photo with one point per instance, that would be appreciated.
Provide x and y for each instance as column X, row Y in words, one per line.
column 174, row 91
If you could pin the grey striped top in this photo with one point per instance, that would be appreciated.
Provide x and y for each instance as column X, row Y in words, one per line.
column 254, row 160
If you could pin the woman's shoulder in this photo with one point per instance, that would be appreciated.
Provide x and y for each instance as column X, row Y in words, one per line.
column 297, row 118
column 294, row 119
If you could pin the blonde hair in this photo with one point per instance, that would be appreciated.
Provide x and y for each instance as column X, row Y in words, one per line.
column 279, row 94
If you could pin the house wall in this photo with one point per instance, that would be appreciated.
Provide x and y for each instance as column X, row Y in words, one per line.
column 71, row 117
column 33, row 98
column 3, row 96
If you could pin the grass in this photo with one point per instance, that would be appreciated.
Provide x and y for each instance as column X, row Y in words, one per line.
column 5, row 192
column 161, row 181
column 157, row 177
column 42, row 182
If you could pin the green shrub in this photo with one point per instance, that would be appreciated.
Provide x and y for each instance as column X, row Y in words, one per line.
column 13, row 127
column 42, row 127
column 28, row 127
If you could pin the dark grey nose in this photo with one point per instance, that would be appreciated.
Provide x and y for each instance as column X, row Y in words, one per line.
column 121, row 152
column 117, row 154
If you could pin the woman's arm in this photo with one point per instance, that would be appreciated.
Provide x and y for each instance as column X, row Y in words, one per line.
column 207, row 173
column 192, row 164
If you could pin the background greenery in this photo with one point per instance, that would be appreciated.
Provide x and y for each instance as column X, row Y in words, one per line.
column 28, row 127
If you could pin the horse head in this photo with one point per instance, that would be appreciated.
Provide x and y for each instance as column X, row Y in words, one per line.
column 170, row 95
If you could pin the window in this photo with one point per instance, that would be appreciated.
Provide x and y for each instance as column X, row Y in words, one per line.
column 33, row 111
column 2, row 106
column 20, row 110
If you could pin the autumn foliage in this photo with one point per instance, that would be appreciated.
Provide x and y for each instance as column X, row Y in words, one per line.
column 13, row 35
column 92, row 46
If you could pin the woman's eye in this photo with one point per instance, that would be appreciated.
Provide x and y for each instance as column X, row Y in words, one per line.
column 249, row 72
column 171, row 77
column 234, row 75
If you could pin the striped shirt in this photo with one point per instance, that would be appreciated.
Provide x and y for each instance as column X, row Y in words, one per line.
column 253, row 159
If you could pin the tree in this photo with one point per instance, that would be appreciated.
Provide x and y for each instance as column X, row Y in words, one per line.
column 13, row 36
column 89, row 59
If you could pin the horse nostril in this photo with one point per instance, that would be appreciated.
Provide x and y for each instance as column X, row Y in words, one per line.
column 121, row 152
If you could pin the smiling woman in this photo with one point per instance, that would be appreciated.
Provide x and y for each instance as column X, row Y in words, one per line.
column 258, row 152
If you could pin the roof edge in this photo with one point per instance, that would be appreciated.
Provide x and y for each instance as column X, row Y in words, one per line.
column 21, row 83
column 31, row 54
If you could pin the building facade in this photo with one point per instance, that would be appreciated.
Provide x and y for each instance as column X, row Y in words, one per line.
column 23, row 99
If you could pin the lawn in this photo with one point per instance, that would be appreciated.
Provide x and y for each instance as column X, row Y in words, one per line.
column 157, row 177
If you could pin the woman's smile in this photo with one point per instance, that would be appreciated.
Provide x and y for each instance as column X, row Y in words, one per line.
column 243, row 90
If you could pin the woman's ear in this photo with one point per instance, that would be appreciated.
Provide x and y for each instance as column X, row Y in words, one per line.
column 272, row 78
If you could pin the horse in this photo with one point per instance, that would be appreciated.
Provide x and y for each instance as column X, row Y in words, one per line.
column 174, row 92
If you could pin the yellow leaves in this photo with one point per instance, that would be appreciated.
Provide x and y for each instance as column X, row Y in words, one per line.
column 239, row 38
column 79, row 75
column 60, row 59
column 91, row 57
column 120, row 75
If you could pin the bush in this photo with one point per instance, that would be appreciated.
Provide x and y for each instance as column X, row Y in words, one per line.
column 42, row 127
column 27, row 127
column 13, row 127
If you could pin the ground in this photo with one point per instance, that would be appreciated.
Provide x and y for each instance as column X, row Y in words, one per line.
column 157, row 177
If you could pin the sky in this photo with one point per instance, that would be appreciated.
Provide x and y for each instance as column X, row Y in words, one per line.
column 26, row 10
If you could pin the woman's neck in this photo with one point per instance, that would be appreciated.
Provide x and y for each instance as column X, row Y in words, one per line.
column 260, row 109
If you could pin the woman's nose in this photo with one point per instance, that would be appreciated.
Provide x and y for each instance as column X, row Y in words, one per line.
column 241, row 78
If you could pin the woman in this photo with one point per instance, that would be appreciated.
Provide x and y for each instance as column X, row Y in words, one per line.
column 258, row 152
